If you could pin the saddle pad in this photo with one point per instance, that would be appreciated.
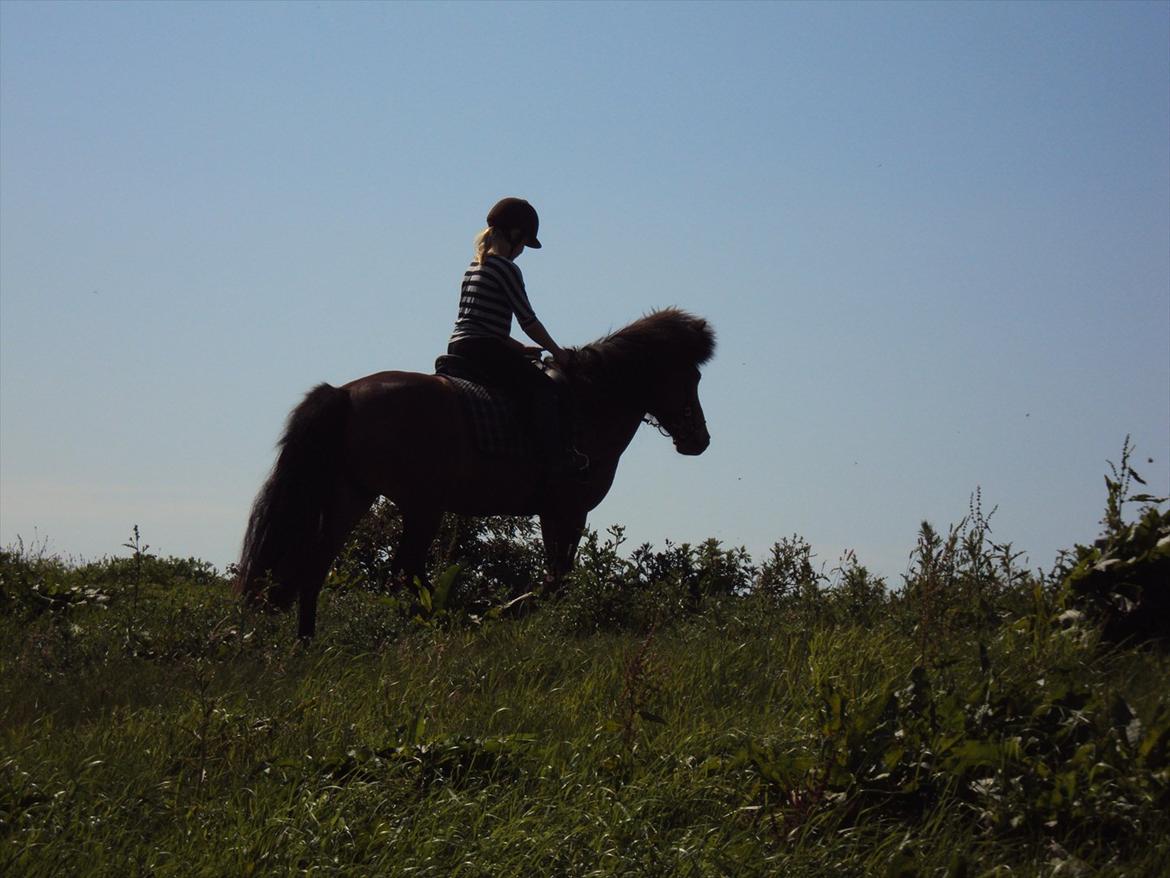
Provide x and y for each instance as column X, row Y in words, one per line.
column 494, row 418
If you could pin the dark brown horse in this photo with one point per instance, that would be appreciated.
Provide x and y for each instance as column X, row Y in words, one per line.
column 404, row 436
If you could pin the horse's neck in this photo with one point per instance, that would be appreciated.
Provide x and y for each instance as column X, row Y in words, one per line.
column 615, row 435
column 609, row 426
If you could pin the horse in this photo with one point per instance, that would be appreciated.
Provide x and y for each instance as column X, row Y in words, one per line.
column 405, row 436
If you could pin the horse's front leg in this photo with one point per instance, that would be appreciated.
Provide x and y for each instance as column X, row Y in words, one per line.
column 419, row 525
column 562, row 534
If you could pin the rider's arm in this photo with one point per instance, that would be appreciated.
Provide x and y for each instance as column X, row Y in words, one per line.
column 536, row 331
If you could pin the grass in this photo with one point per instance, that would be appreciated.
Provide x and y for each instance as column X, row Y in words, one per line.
column 149, row 727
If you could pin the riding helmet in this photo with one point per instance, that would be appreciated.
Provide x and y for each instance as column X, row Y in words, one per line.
column 516, row 213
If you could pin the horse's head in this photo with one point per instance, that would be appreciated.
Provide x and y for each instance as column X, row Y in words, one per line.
column 677, row 412
column 654, row 365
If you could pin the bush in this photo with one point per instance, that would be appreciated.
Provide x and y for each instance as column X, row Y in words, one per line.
column 856, row 595
column 1122, row 582
column 788, row 575
column 498, row 557
column 606, row 592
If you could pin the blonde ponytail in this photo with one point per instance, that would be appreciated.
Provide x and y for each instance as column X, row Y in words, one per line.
column 483, row 243
column 494, row 241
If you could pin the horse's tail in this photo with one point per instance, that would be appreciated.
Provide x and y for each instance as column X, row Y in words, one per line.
column 288, row 515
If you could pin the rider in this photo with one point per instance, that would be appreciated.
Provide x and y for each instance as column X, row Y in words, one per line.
column 492, row 291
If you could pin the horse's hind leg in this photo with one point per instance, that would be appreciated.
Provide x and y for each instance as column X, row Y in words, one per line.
column 348, row 506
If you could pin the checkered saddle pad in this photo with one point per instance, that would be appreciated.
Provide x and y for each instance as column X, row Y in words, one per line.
column 495, row 420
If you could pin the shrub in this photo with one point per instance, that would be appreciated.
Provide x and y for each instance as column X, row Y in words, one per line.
column 498, row 557
column 856, row 594
column 1122, row 582
column 606, row 592
column 962, row 582
column 788, row 575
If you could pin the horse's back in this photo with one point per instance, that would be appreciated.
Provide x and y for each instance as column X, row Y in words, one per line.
column 406, row 398
column 393, row 382
column 406, row 431
column 410, row 439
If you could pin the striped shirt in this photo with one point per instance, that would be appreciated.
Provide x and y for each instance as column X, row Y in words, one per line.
column 492, row 292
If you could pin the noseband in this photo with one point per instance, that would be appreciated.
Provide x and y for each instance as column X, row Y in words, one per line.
column 677, row 431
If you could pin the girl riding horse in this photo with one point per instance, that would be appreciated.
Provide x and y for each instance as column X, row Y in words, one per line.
column 492, row 292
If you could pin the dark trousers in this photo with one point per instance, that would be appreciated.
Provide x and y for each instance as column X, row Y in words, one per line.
column 504, row 366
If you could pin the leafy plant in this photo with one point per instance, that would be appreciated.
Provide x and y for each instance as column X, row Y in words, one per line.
column 1122, row 581
column 788, row 573
column 499, row 557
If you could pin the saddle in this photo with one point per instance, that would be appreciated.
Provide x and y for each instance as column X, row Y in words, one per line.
column 494, row 412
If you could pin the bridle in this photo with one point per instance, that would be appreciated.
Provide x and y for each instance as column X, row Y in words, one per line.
column 653, row 422
column 678, row 431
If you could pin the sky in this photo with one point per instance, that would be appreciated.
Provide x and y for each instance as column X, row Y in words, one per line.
column 933, row 239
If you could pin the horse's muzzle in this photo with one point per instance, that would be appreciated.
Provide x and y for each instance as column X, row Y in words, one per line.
column 693, row 443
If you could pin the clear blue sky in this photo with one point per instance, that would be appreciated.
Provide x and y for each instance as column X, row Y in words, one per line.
column 934, row 240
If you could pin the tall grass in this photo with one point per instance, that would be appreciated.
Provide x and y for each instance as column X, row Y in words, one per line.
column 674, row 712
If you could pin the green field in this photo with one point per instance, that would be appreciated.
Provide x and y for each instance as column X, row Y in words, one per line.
column 682, row 711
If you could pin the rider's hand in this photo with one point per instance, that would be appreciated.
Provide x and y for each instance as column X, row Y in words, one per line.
column 562, row 357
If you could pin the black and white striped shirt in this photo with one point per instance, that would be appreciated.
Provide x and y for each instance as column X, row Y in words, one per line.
column 492, row 292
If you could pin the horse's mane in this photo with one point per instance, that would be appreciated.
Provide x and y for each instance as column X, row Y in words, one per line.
column 661, row 341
